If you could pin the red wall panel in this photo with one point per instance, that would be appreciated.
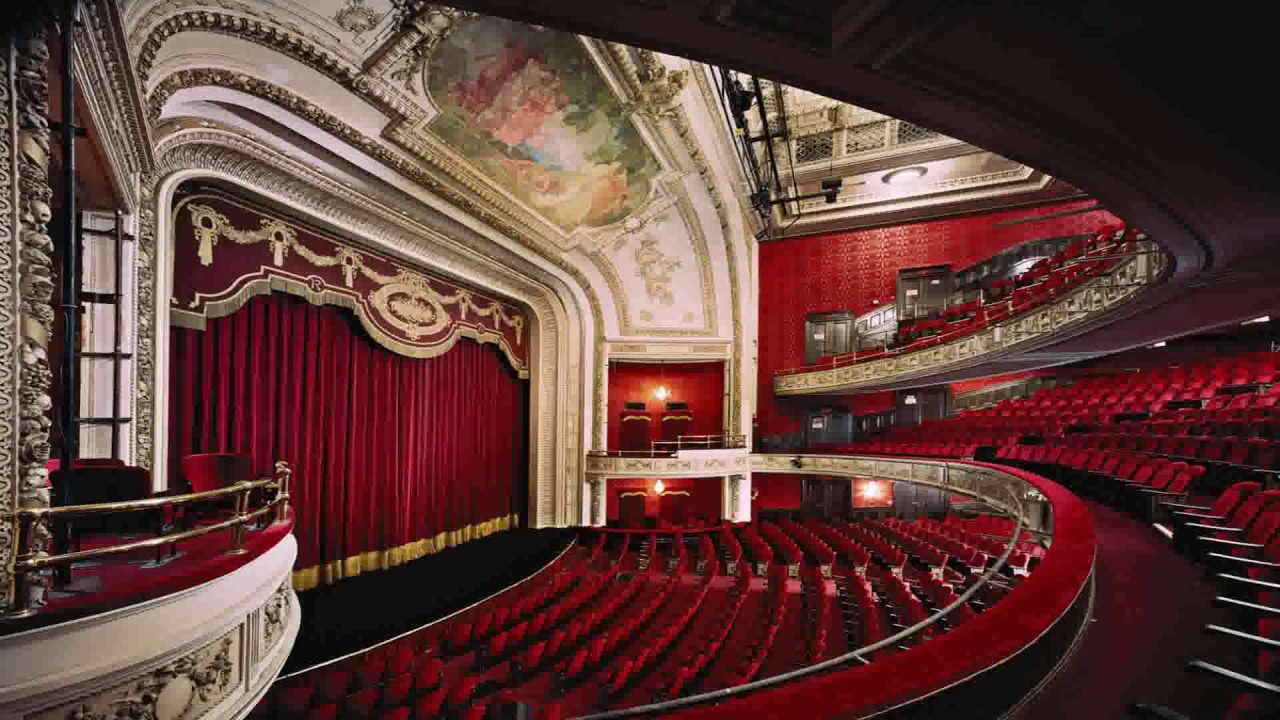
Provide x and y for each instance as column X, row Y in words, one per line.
column 852, row 270
column 774, row 491
column 701, row 384
column 704, row 493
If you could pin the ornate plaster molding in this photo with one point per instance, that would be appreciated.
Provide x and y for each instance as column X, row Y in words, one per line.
column 186, row 687
column 556, row 472
column 477, row 206
column 111, row 94
column 997, row 488
column 26, row 288
column 690, row 464
column 221, row 645
column 656, row 90
column 1086, row 305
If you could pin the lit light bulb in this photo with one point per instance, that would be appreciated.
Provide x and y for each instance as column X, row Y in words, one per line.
column 872, row 491
column 658, row 487
column 661, row 393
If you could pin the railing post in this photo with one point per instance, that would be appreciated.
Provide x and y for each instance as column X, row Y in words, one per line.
column 283, row 474
column 241, row 513
column 18, row 602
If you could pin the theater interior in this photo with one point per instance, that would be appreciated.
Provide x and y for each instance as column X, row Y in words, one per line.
column 709, row 360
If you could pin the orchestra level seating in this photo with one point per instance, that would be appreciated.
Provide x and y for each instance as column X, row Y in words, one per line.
column 624, row 619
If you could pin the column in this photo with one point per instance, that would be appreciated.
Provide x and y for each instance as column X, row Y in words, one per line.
column 736, row 498
column 596, row 489
column 26, row 288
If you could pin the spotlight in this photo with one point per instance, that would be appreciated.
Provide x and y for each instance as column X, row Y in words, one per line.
column 905, row 175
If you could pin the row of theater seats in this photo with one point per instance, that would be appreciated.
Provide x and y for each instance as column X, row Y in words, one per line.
column 1191, row 447
column 627, row 619
column 1230, row 426
column 1044, row 282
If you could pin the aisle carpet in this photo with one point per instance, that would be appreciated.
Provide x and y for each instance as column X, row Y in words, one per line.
column 1149, row 611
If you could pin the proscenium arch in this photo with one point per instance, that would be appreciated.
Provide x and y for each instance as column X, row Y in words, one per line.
column 552, row 343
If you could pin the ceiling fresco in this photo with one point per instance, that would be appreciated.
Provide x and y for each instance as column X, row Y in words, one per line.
column 528, row 106
column 568, row 145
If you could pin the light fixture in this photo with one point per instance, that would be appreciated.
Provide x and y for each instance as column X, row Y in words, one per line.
column 905, row 175
column 1255, row 321
column 1160, row 344
column 661, row 392
column 658, row 487
column 872, row 490
column 909, row 400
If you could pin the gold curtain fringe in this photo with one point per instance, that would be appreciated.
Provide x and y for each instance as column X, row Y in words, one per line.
column 677, row 417
column 332, row 572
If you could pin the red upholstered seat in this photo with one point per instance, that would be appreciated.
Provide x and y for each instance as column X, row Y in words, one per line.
column 293, row 702
column 212, row 471
column 396, row 691
column 428, row 706
column 361, row 705
column 332, row 685
column 400, row 713
column 328, row 711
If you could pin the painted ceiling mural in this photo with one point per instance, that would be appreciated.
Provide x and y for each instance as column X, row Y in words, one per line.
column 528, row 106
column 570, row 138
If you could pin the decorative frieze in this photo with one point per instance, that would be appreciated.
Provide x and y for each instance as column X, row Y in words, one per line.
column 185, row 688
column 1037, row 327
column 26, row 290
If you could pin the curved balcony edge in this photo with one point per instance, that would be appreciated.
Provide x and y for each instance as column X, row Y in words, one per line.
column 209, row 651
column 1040, row 621
column 1095, row 304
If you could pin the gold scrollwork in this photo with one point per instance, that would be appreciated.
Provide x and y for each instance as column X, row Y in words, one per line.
column 410, row 309
column 407, row 300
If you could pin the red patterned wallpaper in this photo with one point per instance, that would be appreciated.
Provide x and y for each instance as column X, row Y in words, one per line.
column 850, row 270
column 701, row 384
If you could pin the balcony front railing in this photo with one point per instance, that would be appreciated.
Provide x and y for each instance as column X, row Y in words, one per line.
column 270, row 495
column 669, row 448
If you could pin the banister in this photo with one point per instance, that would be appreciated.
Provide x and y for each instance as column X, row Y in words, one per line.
column 857, row 655
column 31, row 558
column 147, row 504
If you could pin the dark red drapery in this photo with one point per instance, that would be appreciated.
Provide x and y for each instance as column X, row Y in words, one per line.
column 393, row 457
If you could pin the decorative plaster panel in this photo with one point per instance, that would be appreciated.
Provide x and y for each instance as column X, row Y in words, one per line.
column 1081, row 307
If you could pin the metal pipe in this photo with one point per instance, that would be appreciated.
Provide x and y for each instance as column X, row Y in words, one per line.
column 69, row 385
column 117, row 362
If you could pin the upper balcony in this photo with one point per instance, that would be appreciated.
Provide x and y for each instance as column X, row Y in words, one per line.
column 1086, row 288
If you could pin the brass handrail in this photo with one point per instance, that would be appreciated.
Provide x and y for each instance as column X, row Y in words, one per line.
column 31, row 559
column 147, row 504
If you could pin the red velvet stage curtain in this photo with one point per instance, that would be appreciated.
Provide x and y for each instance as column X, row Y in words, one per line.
column 393, row 457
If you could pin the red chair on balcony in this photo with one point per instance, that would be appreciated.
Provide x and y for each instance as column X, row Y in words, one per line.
column 214, row 471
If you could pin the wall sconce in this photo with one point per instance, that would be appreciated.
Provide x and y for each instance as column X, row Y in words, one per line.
column 909, row 400
column 661, row 392
column 872, row 490
column 658, row 487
